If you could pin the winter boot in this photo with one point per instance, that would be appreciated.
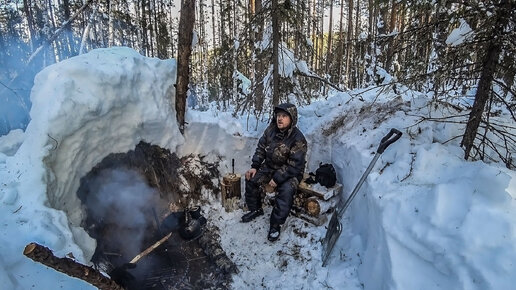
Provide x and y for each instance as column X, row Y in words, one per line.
column 252, row 215
column 274, row 232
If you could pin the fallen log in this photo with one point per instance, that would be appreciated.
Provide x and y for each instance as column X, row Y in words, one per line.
column 44, row 255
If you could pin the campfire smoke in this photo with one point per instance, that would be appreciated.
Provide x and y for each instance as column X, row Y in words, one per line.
column 121, row 200
column 130, row 199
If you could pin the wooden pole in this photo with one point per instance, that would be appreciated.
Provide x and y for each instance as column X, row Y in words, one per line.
column 150, row 249
column 44, row 255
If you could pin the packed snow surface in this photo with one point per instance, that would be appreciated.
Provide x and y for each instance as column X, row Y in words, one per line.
column 424, row 218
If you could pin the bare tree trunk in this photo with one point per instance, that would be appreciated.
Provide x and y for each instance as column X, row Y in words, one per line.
column 297, row 42
column 213, row 24
column 155, row 16
column 439, row 43
column 340, row 51
column 186, row 23
column 203, row 45
column 508, row 74
column 392, row 42
column 357, row 55
column 309, row 32
column 275, row 53
column 383, row 13
column 143, row 28
column 481, row 97
column 330, row 36
column 86, row 31
column 371, row 43
column 486, row 79
column 349, row 47
column 259, row 66
column 71, row 43
column 315, row 32
column 320, row 42
column 150, row 28
column 235, row 55
column 30, row 21
column 111, row 37
column 402, row 54
column 54, row 53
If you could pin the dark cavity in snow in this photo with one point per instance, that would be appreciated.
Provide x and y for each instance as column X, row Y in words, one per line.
column 127, row 196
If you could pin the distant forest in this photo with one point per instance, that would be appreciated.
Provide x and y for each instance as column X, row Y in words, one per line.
column 248, row 55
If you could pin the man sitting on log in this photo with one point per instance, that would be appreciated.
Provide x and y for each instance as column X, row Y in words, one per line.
column 279, row 161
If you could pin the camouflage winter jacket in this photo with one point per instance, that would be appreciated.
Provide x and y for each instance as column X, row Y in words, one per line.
column 283, row 152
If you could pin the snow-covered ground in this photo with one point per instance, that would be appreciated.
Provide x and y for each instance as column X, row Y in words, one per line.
column 424, row 218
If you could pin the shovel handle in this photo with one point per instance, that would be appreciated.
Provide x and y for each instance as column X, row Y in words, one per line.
column 387, row 140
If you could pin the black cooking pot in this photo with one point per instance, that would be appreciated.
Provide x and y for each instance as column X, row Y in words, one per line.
column 188, row 223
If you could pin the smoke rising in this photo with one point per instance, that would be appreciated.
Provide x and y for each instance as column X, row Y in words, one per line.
column 17, row 72
column 121, row 202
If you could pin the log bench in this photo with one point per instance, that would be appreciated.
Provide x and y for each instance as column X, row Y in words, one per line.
column 312, row 202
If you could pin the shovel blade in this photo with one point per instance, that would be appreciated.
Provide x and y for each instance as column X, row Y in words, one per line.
column 332, row 235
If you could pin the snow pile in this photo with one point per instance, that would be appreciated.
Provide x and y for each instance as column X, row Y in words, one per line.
column 84, row 108
column 450, row 219
column 426, row 218
column 102, row 103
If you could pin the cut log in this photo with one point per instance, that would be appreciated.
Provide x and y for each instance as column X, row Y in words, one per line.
column 318, row 190
column 312, row 207
column 231, row 191
column 44, row 255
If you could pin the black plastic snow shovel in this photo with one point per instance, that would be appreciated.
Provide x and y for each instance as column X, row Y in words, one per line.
column 335, row 227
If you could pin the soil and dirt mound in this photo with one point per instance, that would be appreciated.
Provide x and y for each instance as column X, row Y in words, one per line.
column 128, row 195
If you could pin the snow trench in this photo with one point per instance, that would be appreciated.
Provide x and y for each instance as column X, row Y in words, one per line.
column 419, row 222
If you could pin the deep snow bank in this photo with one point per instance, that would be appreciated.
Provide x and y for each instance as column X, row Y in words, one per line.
column 426, row 219
column 83, row 109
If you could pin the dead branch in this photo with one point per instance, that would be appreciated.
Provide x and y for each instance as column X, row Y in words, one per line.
column 44, row 255
column 58, row 31
column 320, row 79
column 446, row 119
column 411, row 167
column 150, row 249
column 51, row 39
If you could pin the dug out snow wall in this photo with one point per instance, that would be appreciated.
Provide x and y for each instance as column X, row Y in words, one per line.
column 87, row 107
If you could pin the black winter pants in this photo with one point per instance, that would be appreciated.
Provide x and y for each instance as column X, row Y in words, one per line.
column 284, row 197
